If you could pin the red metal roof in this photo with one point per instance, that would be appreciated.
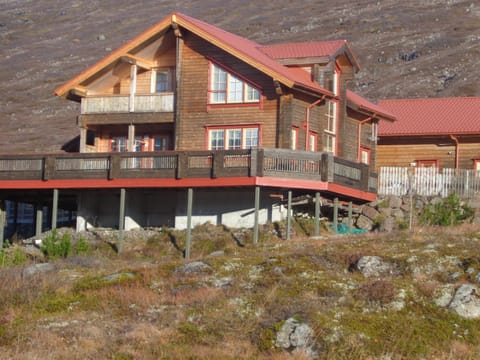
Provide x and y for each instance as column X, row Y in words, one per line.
column 437, row 116
column 304, row 49
column 252, row 51
column 364, row 104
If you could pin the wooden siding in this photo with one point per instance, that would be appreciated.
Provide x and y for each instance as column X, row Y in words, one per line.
column 403, row 155
column 193, row 92
column 406, row 150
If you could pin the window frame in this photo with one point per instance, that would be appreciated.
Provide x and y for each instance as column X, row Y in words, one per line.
column 294, row 137
column 330, row 131
column 312, row 141
column 426, row 163
column 170, row 71
column 227, row 131
column 251, row 93
column 364, row 151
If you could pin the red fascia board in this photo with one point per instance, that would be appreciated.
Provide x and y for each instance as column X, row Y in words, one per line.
column 417, row 134
column 185, row 183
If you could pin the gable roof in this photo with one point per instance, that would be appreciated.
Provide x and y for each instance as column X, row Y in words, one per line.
column 359, row 103
column 437, row 116
column 328, row 50
column 244, row 49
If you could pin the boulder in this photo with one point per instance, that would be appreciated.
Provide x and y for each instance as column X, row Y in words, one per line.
column 192, row 268
column 466, row 302
column 296, row 336
column 365, row 223
column 395, row 202
column 374, row 266
column 388, row 224
column 370, row 212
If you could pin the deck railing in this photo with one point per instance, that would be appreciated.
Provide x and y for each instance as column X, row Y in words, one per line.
column 401, row 181
column 190, row 164
column 158, row 102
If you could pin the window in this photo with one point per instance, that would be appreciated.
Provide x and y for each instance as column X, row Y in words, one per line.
column 294, row 138
column 330, row 130
column 161, row 143
column 163, row 80
column 365, row 155
column 226, row 88
column 312, row 141
column 119, row 144
column 233, row 138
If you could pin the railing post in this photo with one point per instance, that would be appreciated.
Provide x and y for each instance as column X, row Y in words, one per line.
column 114, row 170
column 364, row 177
column 48, row 168
column 327, row 167
column 260, row 160
column 182, row 165
column 252, row 170
column 217, row 163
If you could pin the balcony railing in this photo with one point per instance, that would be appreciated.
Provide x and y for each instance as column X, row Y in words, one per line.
column 190, row 164
column 158, row 102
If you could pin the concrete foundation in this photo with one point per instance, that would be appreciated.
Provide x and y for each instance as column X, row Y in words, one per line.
column 168, row 207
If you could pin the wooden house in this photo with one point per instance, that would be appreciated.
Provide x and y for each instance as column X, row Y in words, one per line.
column 437, row 132
column 187, row 106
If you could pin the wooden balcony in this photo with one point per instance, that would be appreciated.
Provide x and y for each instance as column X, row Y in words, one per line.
column 272, row 163
column 143, row 103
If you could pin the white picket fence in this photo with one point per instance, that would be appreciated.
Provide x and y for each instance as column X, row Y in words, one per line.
column 428, row 182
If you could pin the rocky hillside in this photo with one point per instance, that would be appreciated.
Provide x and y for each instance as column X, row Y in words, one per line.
column 407, row 48
column 408, row 295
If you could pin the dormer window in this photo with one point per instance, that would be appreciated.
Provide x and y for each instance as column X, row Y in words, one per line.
column 227, row 88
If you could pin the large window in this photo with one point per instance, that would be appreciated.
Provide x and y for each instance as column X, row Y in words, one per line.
column 233, row 138
column 365, row 156
column 119, row 143
column 329, row 132
column 226, row 88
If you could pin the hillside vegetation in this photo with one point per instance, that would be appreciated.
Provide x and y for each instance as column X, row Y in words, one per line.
column 235, row 300
column 406, row 48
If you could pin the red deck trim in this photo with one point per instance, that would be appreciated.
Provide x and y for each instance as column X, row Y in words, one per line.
column 184, row 183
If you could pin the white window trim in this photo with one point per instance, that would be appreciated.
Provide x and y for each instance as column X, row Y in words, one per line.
column 226, row 130
column 245, row 88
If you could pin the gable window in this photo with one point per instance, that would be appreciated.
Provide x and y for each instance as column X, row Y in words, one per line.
column 163, row 80
column 365, row 156
column 231, row 138
column 227, row 88
column 329, row 133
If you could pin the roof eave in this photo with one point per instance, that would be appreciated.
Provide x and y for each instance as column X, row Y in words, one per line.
column 63, row 91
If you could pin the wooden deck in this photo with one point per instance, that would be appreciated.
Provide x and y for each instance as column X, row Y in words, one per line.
column 278, row 165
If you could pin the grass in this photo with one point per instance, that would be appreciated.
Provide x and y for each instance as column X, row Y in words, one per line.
column 136, row 306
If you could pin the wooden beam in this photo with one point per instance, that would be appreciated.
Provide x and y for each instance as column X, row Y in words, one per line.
column 176, row 28
column 335, row 215
column 317, row 214
column 289, row 214
column 133, row 87
column 54, row 209
column 38, row 220
column 188, row 234
column 80, row 91
column 136, row 60
column 255, row 219
column 121, row 220
column 2, row 222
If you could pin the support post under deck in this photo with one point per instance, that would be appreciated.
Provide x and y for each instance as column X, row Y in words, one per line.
column 188, row 235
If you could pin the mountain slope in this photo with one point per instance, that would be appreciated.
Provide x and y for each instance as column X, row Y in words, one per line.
column 406, row 49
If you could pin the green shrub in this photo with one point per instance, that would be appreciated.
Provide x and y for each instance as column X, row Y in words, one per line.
column 12, row 258
column 55, row 247
column 449, row 211
column 82, row 247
